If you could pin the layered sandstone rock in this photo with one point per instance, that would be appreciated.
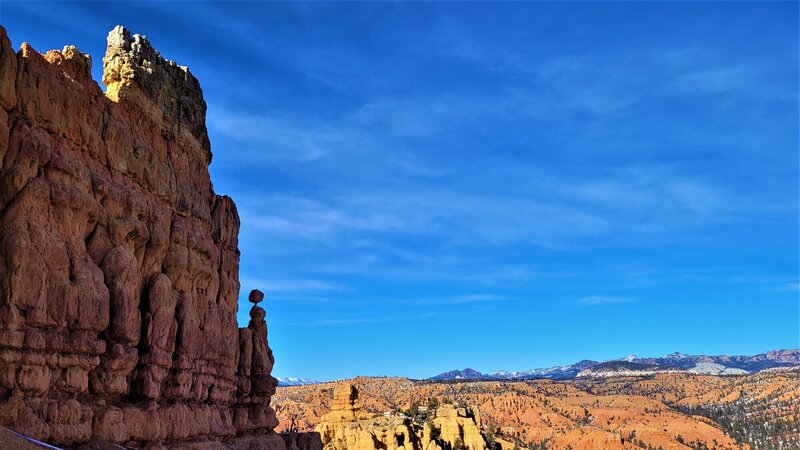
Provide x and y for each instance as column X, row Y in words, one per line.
column 458, row 428
column 346, row 427
column 118, row 262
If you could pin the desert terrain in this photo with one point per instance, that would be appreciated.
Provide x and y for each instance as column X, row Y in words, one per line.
column 670, row 411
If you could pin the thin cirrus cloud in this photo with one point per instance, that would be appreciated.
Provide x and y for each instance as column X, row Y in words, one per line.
column 276, row 137
column 461, row 273
column 455, row 216
column 291, row 285
column 604, row 300
column 740, row 79
column 455, row 300
column 574, row 210
column 592, row 82
column 341, row 322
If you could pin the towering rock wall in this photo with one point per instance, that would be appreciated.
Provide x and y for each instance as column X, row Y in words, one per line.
column 118, row 262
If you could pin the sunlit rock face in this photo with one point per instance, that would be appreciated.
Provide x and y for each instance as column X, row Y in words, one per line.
column 459, row 426
column 118, row 262
column 347, row 427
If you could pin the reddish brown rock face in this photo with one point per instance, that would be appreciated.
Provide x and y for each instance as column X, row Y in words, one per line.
column 118, row 262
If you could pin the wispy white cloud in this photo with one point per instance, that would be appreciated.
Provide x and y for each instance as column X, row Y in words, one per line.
column 691, row 75
column 453, row 41
column 456, row 216
column 669, row 197
column 290, row 285
column 309, row 219
column 425, row 116
column 480, row 273
column 554, row 211
column 794, row 286
column 455, row 300
column 716, row 80
column 278, row 135
column 604, row 300
column 341, row 321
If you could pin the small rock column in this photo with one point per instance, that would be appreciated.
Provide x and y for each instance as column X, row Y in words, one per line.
column 256, row 383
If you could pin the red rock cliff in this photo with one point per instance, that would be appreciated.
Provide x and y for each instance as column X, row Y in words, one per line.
column 118, row 262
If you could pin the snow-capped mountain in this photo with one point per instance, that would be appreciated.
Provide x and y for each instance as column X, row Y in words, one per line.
column 748, row 364
column 554, row 373
column 624, row 368
column 710, row 368
column 466, row 374
column 293, row 381
column 633, row 365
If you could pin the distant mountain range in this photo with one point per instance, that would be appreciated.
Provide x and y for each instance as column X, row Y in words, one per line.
column 293, row 381
column 553, row 373
column 466, row 374
column 632, row 365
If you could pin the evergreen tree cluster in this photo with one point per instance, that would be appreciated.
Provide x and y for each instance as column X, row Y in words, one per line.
column 767, row 423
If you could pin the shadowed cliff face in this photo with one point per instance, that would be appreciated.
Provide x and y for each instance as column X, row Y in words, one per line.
column 118, row 262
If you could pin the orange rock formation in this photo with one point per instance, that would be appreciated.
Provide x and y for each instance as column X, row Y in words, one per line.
column 118, row 262
column 623, row 413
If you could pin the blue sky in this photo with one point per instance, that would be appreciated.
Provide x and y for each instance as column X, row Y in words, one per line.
column 430, row 186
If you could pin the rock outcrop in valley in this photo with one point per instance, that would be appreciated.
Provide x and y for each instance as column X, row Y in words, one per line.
column 347, row 427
